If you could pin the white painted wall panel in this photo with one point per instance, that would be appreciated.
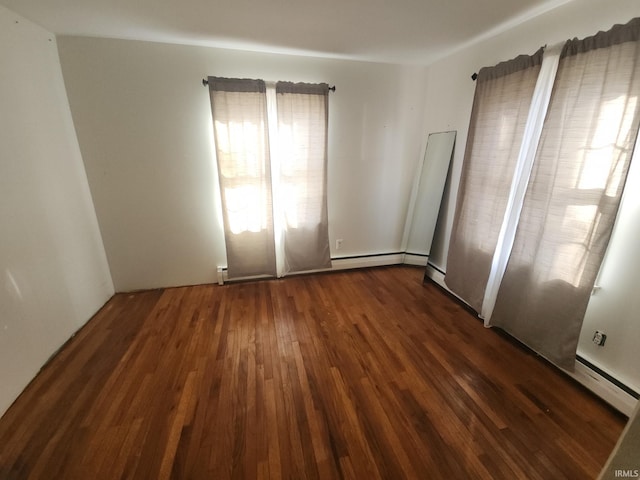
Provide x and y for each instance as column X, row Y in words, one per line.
column 144, row 125
column 53, row 270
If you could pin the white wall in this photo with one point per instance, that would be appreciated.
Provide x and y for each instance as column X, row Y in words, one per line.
column 53, row 269
column 144, row 125
column 614, row 308
column 448, row 105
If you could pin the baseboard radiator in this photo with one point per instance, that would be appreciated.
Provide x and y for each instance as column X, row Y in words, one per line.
column 346, row 263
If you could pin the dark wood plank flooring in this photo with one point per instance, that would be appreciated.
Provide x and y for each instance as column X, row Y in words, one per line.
column 361, row 374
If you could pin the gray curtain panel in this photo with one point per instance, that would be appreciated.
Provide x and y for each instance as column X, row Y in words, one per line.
column 573, row 194
column 302, row 153
column 498, row 118
column 241, row 135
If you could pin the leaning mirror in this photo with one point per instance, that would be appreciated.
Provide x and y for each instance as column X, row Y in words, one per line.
column 428, row 196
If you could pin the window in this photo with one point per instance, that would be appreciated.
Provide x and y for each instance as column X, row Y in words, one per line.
column 272, row 165
column 555, row 225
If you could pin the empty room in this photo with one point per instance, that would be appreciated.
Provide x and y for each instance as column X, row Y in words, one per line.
column 300, row 240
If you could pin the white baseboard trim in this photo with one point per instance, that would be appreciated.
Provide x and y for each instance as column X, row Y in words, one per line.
column 346, row 263
column 603, row 388
column 438, row 277
column 366, row 261
column 415, row 259
column 223, row 277
column 589, row 378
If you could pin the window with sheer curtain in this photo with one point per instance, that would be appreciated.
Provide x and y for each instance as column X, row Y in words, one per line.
column 272, row 166
column 570, row 199
column 498, row 120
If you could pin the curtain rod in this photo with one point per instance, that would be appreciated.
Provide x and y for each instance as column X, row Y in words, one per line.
column 205, row 82
column 474, row 76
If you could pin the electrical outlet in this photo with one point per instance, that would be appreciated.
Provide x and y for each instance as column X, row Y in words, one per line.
column 599, row 338
column 339, row 243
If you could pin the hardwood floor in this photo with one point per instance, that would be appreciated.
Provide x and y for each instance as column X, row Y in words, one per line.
column 361, row 374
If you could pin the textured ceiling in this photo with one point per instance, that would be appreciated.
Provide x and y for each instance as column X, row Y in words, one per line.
column 392, row 31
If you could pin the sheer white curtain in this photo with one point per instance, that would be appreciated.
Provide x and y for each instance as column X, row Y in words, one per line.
column 524, row 165
column 272, row 164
